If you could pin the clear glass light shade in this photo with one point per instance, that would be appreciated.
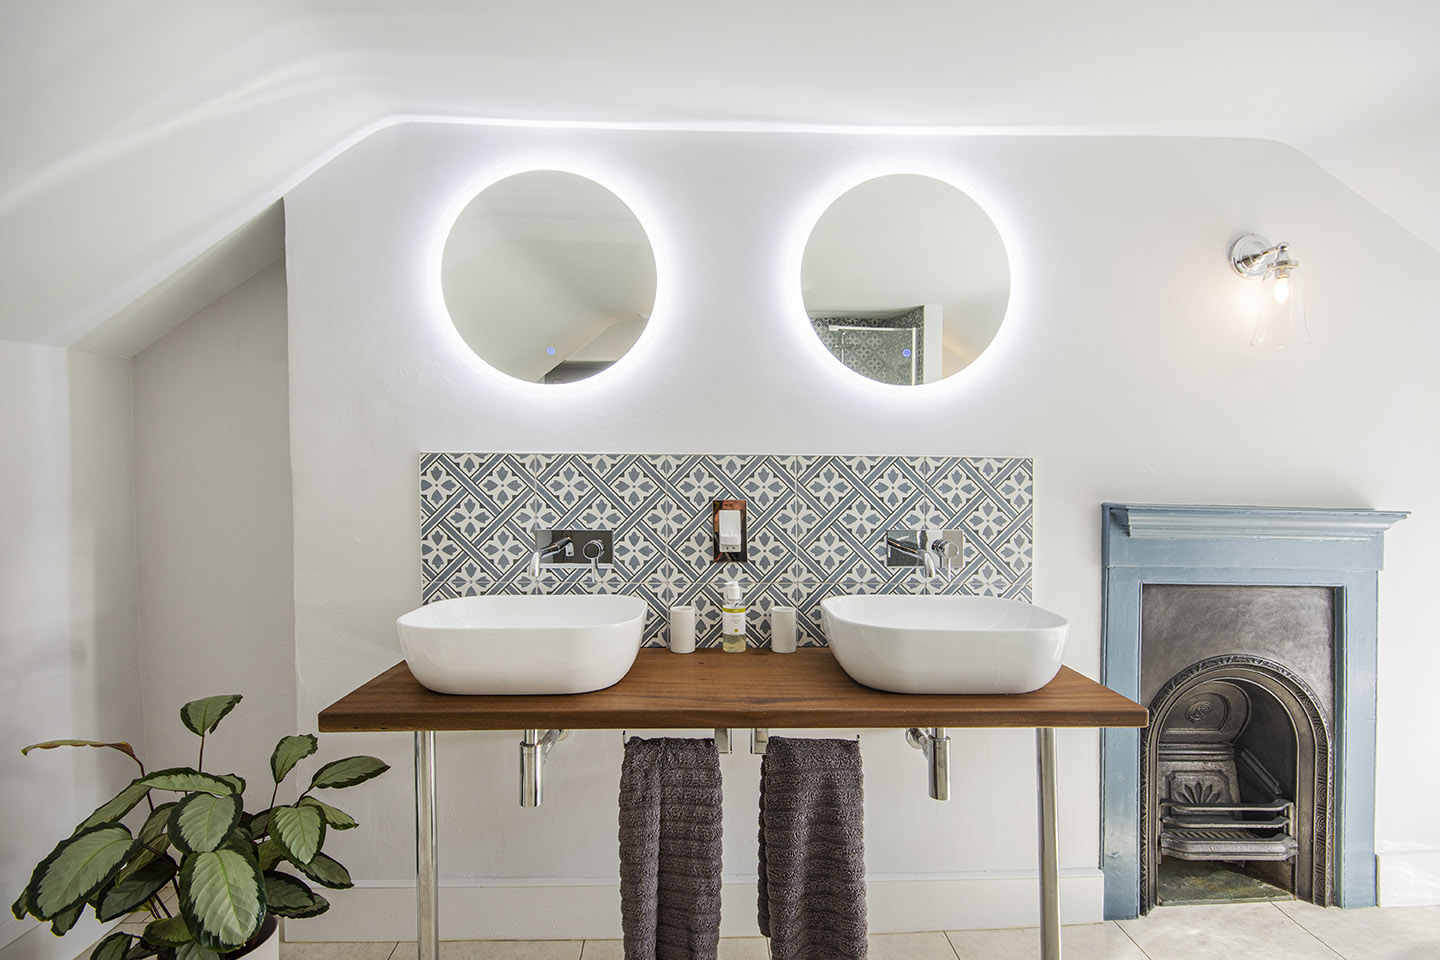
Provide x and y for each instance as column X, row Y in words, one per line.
column 1281, row 321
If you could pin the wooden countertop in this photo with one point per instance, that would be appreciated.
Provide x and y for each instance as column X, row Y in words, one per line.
column 710, row 688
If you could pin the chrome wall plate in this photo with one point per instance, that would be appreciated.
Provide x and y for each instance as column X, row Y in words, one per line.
column 582, row 551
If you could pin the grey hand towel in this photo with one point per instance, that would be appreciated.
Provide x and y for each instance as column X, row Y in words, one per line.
column 670, row 849
column 812, row 850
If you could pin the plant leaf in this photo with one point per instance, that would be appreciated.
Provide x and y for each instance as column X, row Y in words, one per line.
column 260, row 823
column 290, row 751
column 187, row 780
column 193, row 951
column 269, row 853
column 170, row 932
column 121, row 745
column 155, row 824
column 118, row 805
column 222, row 898
column 287, row 896
column 62, row 923
column 201, row 821
column 336, row 819
column 234, row 779
column 154, row 841
column 124, row 895
column 326, row 871
column 348, row 772
column 78, row 866
column 240, row 841
column 112, row 947
column 141, row 949
column 202, row 716
column 18, row 908
column 299, row 830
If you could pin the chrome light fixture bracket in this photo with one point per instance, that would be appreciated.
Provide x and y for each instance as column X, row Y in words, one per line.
column 1252, row 256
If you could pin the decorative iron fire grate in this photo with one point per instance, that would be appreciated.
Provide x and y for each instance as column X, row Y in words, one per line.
column 1238, row 772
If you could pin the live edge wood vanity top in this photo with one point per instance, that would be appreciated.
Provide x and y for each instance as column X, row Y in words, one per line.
column 710, row 688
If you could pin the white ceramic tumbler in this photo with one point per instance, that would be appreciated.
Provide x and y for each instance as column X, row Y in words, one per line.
column 682, row 629
column 782, row 629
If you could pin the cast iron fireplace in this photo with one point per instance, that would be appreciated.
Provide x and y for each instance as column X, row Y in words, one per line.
column 1249, row 632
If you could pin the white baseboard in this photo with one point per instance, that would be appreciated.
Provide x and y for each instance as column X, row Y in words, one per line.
column 1408, row 878
column 590, row 910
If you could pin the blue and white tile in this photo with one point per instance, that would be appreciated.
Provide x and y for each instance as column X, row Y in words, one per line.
column 1016, row 550
column 811, row 520
column 438, row 552
column 760, row 598
column 1016, row 489
column 707, row 610
column 433, row 590
column 846, row 506
column 659, row 597
column 471, row 505
column 765, row 483
column 437, row 483
column 811, row 627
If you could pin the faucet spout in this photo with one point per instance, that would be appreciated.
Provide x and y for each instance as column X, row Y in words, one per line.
column 565, row 546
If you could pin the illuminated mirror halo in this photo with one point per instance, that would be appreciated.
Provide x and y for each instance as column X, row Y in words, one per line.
column 905, row 279
column 548, row 276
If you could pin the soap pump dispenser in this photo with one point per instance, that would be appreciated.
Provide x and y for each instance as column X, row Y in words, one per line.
column 732, row 619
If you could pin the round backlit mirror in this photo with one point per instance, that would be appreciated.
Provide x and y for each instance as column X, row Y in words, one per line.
column 548, row 276
column 905, row 279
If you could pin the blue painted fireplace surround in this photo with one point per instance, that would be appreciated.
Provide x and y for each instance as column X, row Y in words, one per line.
column 1156, row 544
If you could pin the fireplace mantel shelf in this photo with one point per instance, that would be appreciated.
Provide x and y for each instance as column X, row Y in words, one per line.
column 1160, row 521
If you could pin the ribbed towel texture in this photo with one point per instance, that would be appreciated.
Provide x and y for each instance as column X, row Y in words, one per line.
column 812, row 850
column 670, row 849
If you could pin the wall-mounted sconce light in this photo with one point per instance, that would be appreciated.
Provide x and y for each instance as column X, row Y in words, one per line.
column 1281, row 322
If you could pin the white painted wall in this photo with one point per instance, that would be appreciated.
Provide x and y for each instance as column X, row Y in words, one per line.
column 67, row 605
column 1124, row 370
column 212, row 478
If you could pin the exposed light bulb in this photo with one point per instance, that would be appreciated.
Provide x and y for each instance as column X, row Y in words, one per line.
column 1282, row 290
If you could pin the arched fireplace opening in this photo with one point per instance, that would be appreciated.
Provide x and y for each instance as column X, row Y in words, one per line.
column 1235, row 787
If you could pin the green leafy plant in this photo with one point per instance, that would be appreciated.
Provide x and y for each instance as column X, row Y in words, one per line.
column 229, row 869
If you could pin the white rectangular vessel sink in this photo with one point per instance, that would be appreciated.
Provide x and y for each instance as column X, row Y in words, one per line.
column 522, row 644
column 927, row 644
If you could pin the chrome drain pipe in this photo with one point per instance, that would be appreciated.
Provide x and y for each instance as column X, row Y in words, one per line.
column 936, row 746
column 534, row 748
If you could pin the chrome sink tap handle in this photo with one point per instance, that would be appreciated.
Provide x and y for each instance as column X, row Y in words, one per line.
column 593, row 551
column 945, row 554
column 935, row 559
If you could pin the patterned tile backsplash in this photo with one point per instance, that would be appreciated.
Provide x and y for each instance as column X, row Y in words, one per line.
column 816, row 527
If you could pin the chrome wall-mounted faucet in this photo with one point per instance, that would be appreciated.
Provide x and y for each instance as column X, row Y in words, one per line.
column 565, row 547
column 937, row 551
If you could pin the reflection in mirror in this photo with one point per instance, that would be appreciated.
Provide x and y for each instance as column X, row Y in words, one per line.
column 905, row 279
column 548, row 276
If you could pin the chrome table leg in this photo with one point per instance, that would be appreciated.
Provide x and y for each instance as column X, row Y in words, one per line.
column 427, row 875
column 1049, row 850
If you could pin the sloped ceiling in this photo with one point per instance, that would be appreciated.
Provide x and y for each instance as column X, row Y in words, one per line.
column 137, row 135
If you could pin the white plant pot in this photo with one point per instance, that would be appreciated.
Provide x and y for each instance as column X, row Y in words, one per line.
column 267, row 949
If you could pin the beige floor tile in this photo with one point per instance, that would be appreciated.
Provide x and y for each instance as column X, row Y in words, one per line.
column 603, row 950
column 1088, row 941
column 731, row 948
column 1391, row 933
column 336, row 951
column 910, row 946
column 1232, row 930
column 500, row 949
column 744, row 948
